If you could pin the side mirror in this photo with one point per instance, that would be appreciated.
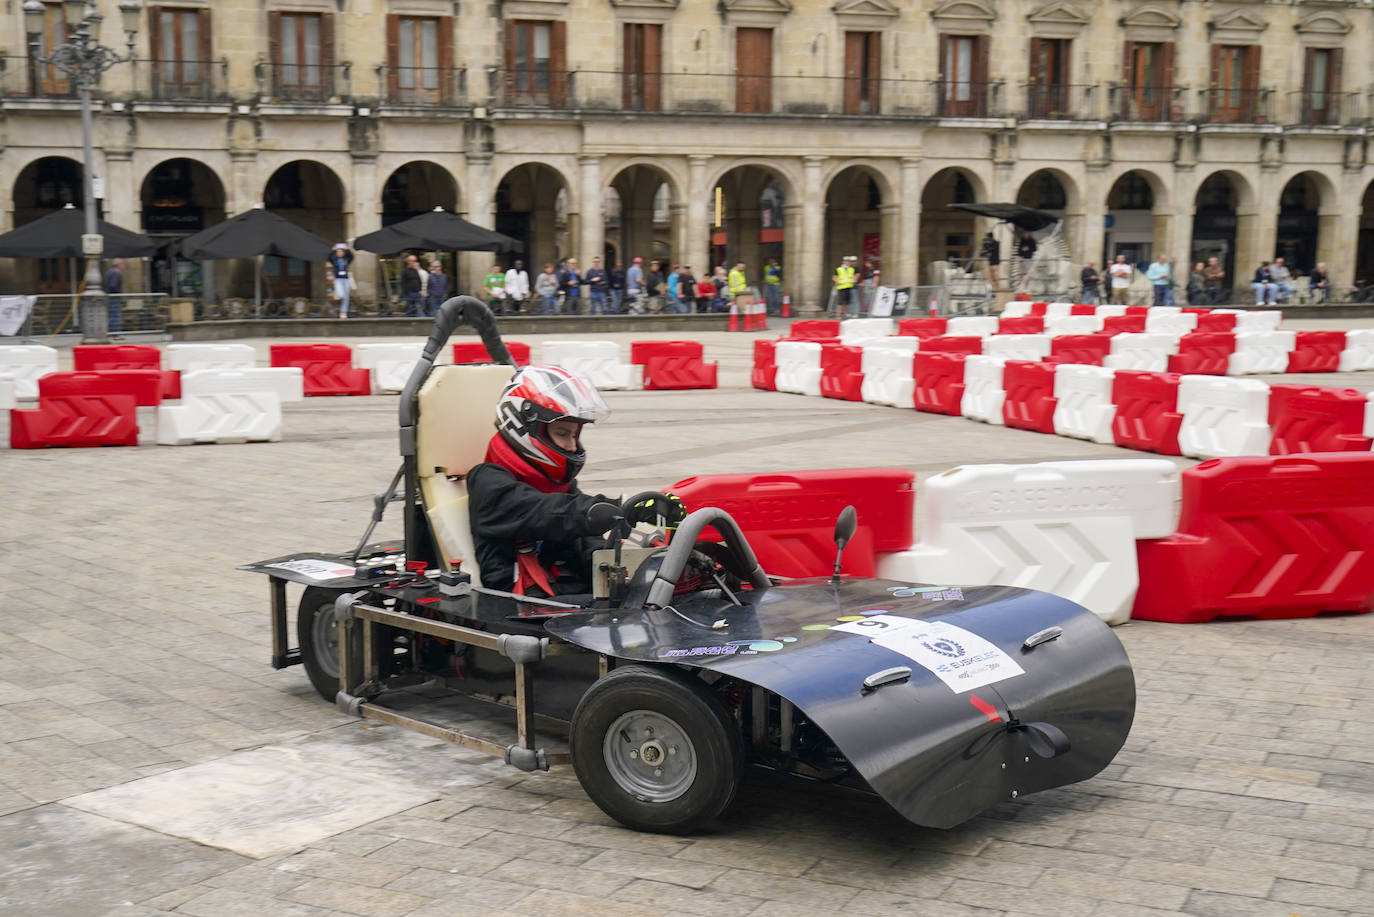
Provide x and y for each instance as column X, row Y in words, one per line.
column 846, row 524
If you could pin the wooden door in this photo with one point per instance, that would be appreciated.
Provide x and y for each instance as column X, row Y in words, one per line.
column 754, row 70
column 643, row 67
column 862, row 68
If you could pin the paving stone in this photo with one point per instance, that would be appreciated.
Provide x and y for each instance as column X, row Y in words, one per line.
column 661, row 869
column 355, row 899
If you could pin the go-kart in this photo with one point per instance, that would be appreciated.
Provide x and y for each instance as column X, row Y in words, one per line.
column 689, row 660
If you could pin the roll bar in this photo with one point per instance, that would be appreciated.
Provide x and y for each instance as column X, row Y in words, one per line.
column 460, row 310
column 685, row 539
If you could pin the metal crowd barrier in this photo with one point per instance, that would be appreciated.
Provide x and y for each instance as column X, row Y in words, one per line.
column 130, row 312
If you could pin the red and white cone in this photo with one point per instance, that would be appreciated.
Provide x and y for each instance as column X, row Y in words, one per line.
column 786, row 306
column 734, row 318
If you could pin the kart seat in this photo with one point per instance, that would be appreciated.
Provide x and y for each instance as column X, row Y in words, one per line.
column 457, row 410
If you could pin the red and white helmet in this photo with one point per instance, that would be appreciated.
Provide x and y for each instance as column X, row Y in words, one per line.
column 535, row 397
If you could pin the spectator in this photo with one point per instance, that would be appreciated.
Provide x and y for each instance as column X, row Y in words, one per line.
column 687, row 288
column 438, row 289
column 1197, row 285
column 846, row 276
column 654, row 287
column 114, row 289
column 1160, row 274
column 1283, row 280
column 991, row 253
column 772, row 287
column 615, row 282
column 595, row 282
column 495, row 285
column 706, row 295
column 517, row 286
column 546, row 288
column 871, row 275
column 1025, row 246
column 721, row 281
column 1319, row 283
column 340, row 258
column 1215, row 276
column 1263, row 285
column 1090, row 281
column 737, row 282
column 570, row 282
column 1121, row 274
column 413, row 282
column 671, row 293
column 634, row 287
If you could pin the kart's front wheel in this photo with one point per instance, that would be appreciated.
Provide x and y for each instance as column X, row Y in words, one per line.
column 317, row 633
column 655, row 749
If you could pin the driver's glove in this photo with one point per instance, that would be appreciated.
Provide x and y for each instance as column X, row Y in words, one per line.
column 601, row 516
column 649, row 510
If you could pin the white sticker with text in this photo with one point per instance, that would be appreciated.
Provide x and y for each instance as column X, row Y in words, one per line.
column 960, row 658
column 316, row 569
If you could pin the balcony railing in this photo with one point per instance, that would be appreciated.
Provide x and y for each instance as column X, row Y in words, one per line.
column 966, row 99
column 304, row 83
column 1238, row 106
column 20, row 76
column 1147, row 103
column 423, row 86
column 184, row 80
column 1323, row 108
column 1060, row 101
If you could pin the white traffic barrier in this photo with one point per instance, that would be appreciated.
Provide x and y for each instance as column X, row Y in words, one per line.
column 1017, row 308
column 1063, row 527
column 390, row 364
column 854, row 330
column 888, row 376
column 597, row 361
column 1033, row 347
column 1223, row 416
column 1073, row 324
column 1111, row 310
column 26, row 363
column 1259, row 320
column 983, row 392
column 9, row 396
column 1359, row 350
column 1165, row 310
column 229, row 406
column 1160, row 322
column 1058, row 310
column 1144, row 352
column 799, row 367
column 1226, row 311
column 192, row 357
column 977, row 326
column 1261, row 352
column 1084, row 408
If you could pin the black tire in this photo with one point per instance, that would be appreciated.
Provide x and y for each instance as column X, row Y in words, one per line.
column 682, row 766
column 317, row 636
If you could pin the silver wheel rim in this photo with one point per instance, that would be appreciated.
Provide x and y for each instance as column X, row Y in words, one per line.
column 649, row 756
column 324, row 631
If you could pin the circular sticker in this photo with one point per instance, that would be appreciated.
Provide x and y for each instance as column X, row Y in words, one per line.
column 816, row 627
column 847, row 618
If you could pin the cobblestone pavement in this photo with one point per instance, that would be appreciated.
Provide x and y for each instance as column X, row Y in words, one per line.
column 131, row 649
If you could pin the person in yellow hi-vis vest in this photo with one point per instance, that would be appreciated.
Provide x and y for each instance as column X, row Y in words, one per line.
column 846, row 276
column 738, row 283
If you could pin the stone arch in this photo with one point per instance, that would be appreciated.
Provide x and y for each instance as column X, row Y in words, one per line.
column 859, row 210
column 1305, row 214
column 313, row 196
column 651, row 213
column 42, row 185
column 180, row 196
column 1364, row 252
column 1224, row 222
column 946, row 234
column 757, row 209
column 532, row 202
column 1138, row 211
column 417, row 187
column 1034, row 185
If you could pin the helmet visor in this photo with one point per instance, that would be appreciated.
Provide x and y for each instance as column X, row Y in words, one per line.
column 574, row 396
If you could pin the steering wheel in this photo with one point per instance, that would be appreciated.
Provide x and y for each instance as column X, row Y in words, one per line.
column 736, row 548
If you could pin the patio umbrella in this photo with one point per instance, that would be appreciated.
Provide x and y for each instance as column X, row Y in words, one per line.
column 58, row 235
column 1016, row 214
column 250, row 234
column 437, row 230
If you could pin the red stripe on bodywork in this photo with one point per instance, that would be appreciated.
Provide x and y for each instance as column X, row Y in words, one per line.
column 985, row 708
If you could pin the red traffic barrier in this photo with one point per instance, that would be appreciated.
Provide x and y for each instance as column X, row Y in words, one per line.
column 327, row 369
column 964, row 344
column 1147, row 415
column 1039, row 308
column 1312, row 418
column 842, row 372
column 476, row 352
column 1208, row 320
column 148, row 386
column 923, row 328
column 642, row 351
column 82, row 409
column 1317, row 352
column 1137, row 310
column 88, row 358
column 1030, row 400
column 1080, row 308
column 939, row 381
column 1196, row 310
column 1021, row 324
column 765, row 371
column 815, row 329
column 1204, row 353
column 1268, row 537
column 676, row 373
column 1123, row 324
column 1088, row 349
column 789, row 517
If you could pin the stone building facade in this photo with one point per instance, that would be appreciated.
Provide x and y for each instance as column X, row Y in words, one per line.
column 718, row 132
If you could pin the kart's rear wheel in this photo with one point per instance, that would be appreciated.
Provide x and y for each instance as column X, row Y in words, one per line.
column 317, row 634
column 655, row 749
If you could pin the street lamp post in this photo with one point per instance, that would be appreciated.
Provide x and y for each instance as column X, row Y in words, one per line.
column 83, row 59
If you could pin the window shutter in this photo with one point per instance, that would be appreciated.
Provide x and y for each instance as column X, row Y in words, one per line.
column 1333, row 75
column 393, row 56
column 980, row 63
column 875, row 67
column 652, row 65
column 1216, row 67
column 1035, row 52
column 155, row 50
column 853, row 70
column 327, row 53
column 448, row 79
column 1166, row 81
column 1250, row 68
column 207, row 47
column 631, row 66
column 508, row 74
column 274, row 48
column 1128, row 75
column 558, row 63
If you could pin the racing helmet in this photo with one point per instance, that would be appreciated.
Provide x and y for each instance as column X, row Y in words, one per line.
column 535, row 397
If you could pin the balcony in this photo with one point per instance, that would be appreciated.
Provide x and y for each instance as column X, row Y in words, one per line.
column 317, row 84
column 433, row 87
column 1237, row 106
column 1323, row 109
column 1060, row 102
column 964, row 99
column 21, row 78
column 185, row 80
column 1147, row 103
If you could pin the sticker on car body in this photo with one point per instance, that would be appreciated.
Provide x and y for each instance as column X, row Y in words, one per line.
column 315, row 568
column 958, row 657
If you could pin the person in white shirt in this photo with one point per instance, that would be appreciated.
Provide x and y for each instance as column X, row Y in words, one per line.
column 1121, row 274
column 517, row 286
column 1283, row 279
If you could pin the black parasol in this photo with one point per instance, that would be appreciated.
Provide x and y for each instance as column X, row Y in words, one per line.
column 58, row 235
column 254, row 232
column 1019, row 216
column 437, row 230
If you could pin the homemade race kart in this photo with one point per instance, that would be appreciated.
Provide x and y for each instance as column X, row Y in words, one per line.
column 690, row 660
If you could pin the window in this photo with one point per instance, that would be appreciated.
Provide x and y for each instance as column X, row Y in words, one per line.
column 302, row 55
column 1235, row 92
column 420, row 54
column 754, row 70
column 180, row 43
column 1322, row 86
column 643, row 66
column 1148, row 75
column 1049, row 78
column 46, row 79
column 536, row 65
column 862, row 72
column 963, row 83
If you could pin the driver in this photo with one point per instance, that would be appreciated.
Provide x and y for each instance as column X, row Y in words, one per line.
column 534, row 531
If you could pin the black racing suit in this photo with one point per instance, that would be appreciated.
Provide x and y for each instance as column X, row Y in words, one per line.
column 504, row 511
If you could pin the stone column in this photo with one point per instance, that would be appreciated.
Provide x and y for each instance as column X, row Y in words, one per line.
column 677, row 231
column 890, row 236
column 808, row 275
column 1336, row 242
column 481, row 203
column 696, row 246
column 122, row 207
column 244, row 192
column 906, row 268
column 366, row 202
column 591, row 239
column 791, row 252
